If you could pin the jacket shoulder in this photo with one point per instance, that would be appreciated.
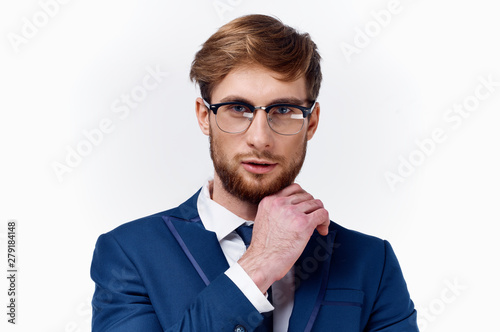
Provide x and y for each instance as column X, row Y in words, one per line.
column 139, row 226
column 360, row 254
column 356, row 239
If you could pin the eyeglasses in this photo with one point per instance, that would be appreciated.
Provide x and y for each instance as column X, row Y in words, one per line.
column 236, row 117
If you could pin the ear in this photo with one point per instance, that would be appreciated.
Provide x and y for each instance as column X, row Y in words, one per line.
column 203, row 116
column 312, row 124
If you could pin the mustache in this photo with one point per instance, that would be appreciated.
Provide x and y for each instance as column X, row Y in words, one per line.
column 262, row 155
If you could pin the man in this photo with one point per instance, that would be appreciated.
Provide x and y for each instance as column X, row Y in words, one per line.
column 201, row 266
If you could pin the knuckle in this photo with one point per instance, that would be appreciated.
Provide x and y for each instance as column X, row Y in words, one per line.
column 308, row 196
column 319, row 203
column 265, row 200
column 296, row 187
column 314, row 205
column 324, row 214
column 302, row 223
column 278, row 201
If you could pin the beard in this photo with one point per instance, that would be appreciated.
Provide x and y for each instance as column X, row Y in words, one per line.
column 253, row 190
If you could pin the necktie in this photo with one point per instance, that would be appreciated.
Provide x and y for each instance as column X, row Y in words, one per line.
column 245, row 232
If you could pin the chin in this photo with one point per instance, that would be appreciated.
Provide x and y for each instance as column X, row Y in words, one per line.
column 254, row 187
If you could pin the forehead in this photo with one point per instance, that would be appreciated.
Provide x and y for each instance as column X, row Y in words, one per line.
column 259, row 86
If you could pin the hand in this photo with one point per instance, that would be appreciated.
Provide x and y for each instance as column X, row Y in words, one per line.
column 283, row 225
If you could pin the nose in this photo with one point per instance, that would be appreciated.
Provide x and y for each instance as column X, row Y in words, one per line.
column 259, row 135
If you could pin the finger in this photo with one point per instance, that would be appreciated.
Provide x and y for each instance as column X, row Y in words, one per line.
column 310, row 206
column 322, row 229
column 299, row 198
column 321, row 219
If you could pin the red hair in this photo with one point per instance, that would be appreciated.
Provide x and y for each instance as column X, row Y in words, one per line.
column 257, row 39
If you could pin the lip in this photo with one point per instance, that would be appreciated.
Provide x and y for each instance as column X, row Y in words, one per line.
column 258, row 166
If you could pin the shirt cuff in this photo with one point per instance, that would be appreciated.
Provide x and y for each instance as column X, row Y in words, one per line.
column 243, row 281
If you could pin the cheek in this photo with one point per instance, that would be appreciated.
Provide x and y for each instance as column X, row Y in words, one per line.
column 225, row 147
column 294, row 147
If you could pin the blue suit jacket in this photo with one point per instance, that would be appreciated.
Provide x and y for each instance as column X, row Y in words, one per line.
column 165, row 272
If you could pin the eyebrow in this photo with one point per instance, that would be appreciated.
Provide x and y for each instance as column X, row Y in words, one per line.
column 287, row 100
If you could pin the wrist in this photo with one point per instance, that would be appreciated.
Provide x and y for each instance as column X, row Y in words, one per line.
column 258, row 272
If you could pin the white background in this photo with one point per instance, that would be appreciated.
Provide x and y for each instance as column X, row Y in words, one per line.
column 64, row 77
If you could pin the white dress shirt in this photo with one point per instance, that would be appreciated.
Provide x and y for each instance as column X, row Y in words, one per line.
column 223, row 223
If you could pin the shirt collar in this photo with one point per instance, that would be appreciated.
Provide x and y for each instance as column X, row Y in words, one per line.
column 214, row 216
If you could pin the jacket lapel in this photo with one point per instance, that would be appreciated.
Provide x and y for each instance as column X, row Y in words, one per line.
column 311, row 277
column 202, row 245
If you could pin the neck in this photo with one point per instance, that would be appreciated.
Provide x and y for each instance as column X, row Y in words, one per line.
column 242, row 209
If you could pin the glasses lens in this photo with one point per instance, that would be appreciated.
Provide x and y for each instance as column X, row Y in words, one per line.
column 234, row 118
column 286, row 119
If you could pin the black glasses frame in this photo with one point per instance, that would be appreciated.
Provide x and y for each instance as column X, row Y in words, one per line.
column 306, row 111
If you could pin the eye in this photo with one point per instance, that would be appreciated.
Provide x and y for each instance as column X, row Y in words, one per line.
column 283, row 110
column 286, row 111
column 238, row 108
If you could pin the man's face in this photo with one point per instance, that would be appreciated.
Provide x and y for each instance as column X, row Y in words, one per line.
column 258, row 162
